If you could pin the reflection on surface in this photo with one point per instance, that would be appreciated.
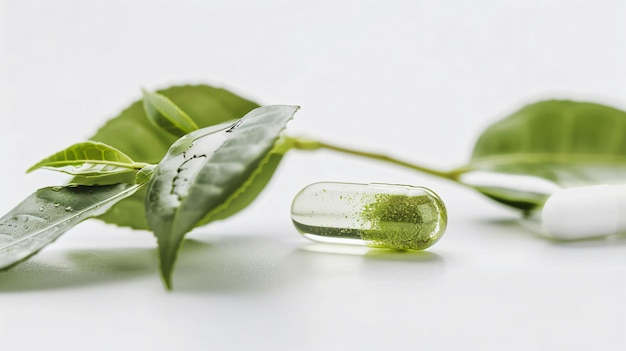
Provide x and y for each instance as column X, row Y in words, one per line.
column 59, row 270
column 249, row 263
column 516, row 226
column 367, row 266
column 339, row 249
column 372, row 253
column 240, row 264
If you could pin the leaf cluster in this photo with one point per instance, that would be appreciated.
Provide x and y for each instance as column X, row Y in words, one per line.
column 203, row 174
column 184, row 157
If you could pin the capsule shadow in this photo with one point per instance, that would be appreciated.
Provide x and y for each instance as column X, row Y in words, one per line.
column 520, row 227
column 594, row 241
column 533, row 228
column 400, row 255
column 607, row 241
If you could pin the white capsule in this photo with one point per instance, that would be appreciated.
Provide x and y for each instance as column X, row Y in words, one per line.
column 585, row 212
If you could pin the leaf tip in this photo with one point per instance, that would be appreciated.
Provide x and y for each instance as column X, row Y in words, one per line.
column 167, row 257
column 32, row 168
column 167, row 282
column 145, row 96
column 166, row 276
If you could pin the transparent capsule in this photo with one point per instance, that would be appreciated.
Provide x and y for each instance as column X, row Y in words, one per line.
column 377, row 215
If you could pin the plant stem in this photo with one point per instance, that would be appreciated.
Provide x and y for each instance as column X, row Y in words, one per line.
column 310, row 145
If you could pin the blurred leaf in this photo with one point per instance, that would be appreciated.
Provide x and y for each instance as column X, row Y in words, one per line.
column 564, row 143
column 162, row 112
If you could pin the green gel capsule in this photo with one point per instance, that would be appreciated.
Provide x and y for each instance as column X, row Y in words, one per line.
column 377, row 215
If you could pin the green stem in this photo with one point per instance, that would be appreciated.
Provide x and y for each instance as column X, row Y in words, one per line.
column 310, row 145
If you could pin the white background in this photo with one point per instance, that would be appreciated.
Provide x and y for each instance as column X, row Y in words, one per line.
column 416, row 79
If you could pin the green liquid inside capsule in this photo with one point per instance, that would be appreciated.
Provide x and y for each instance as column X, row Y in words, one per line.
column 377, row 215
column 403, row 222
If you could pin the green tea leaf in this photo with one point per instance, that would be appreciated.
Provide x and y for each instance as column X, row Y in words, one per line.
column 43, row 216
column 130, row 212
column 249, row 190
column 89, row 159
column 166, row 115
column 563, row 143
column 132, row 132
column 206, row 170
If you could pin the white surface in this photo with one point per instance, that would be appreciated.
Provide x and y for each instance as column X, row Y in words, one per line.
column 418, row 79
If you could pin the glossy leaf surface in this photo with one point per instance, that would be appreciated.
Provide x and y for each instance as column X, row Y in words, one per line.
column 206, row 170
column 48, row 213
